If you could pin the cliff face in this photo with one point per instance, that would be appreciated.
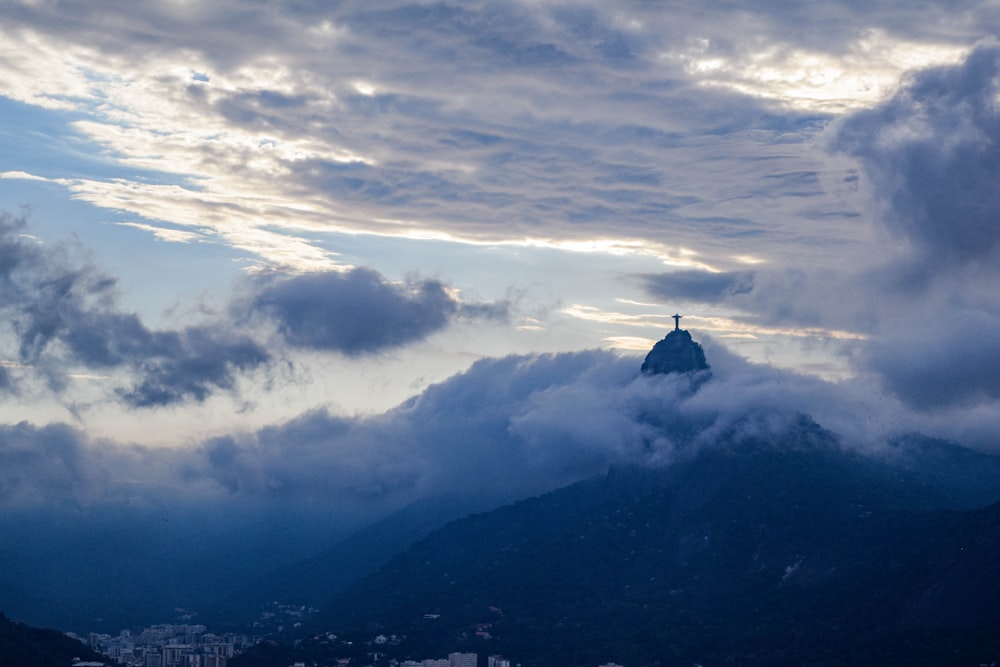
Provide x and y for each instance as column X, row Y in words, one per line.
column 677, row 353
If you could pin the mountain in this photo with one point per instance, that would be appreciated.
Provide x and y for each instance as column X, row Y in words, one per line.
column 967, row 478
column 759, row 550
column 774, row 544
column 676, row 353
column 25, row 646
column 312, row 581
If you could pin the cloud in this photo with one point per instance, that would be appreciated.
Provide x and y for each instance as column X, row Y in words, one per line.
column 528, row 123
column 164, row 234
column 699, row 285
column 51, row 465
column 942, row 362
column 355, row 312
column 196, row 362
column 489, row 431
column 931, row 154
column 505, row 428
column 916, row 304
column 480, row 123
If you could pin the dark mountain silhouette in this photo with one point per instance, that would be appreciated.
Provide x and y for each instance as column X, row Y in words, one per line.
column 966, row 478
column 676, row 353
column 26, row 646
column 778, row 549
column 312, row 581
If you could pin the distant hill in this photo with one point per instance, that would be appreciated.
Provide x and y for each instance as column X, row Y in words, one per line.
column 25, row 646
column 784, row 549
column 313, row 581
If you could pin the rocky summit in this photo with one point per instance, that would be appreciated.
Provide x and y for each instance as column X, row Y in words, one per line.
column 676, row 353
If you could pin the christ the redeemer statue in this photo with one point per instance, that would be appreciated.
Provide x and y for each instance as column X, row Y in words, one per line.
column 677, row 322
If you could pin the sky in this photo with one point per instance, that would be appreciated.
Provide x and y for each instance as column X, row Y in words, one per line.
column 356, row 252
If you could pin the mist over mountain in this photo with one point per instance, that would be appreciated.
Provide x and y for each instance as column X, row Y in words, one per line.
column 267, row 516
column 773, row 543
column 782, row 549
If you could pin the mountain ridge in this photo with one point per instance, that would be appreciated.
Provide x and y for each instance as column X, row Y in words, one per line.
column 823, row 542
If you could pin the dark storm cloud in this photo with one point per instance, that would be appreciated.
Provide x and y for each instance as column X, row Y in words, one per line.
column 932, row 155
column 699, row 285
column 357, row 312
column 947, row 362
column 354, row 312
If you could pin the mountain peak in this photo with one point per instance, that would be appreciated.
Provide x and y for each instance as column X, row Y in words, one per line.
column 676, row 353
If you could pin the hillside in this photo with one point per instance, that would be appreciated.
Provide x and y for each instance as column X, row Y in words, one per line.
column 781, row 550
column 26, row 646
column 312, row 581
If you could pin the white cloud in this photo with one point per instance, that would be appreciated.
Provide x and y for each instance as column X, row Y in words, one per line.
column 792, row 75
column 22, row 175
column 163, row 233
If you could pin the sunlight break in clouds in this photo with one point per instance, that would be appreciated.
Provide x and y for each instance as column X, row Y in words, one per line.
column 814, row 80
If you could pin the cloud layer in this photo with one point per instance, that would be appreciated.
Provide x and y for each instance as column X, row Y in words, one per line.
column 506, row 428
column 475, row 121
